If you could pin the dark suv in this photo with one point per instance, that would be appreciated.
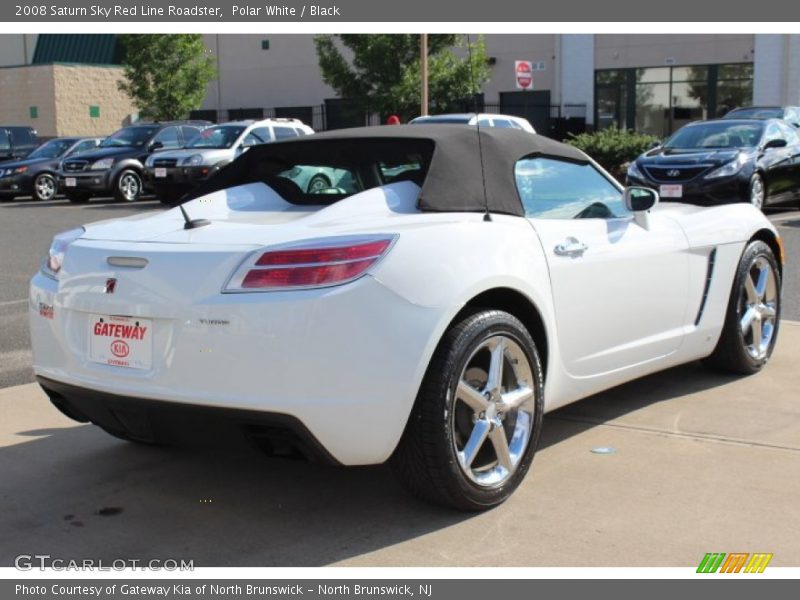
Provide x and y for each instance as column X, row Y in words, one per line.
column 17, row 141
column 115, row 168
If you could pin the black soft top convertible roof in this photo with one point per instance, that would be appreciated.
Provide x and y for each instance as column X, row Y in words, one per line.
column 454, row 181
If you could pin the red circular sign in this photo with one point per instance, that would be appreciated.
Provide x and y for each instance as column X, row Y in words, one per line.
column 120, row 349
column 524, row 74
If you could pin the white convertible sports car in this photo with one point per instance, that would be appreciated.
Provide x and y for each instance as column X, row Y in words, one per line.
column 429, row 317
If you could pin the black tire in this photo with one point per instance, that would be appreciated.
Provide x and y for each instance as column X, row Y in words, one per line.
column 77, row 197
column 318, row 182
column 128, row 186
column 733, row 353
column 45, row 187
column 757, row 180
column 427, row 458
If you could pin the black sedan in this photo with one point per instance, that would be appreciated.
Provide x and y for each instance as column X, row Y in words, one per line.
column 724, row 161
column 35, row 175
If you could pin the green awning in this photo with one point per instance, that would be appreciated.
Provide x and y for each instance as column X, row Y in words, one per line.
column 89, row 48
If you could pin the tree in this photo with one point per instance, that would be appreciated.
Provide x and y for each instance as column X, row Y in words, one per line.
column 383, row 74
column 166, row 74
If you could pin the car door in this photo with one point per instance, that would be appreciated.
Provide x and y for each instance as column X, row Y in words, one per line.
column 792, row 138
column 619, row 289
column 777, row 165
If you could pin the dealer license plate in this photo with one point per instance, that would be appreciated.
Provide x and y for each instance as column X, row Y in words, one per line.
column 121, row 341
column 161, row 172
column 671, row 191
column 70, row 182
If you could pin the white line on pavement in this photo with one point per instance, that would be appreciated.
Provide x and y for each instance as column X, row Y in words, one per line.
column 13, row 302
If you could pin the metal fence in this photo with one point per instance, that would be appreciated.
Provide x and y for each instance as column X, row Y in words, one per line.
column 553, row 120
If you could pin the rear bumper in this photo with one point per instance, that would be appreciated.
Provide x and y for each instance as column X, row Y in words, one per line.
column 345, row 362
column 159, row 422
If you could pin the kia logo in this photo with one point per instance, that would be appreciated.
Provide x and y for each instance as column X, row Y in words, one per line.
column 111, row 285
column 120, row 349
column 673, row 172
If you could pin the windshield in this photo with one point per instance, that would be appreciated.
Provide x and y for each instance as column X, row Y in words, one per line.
column 756, row 113
column 5, row 141
column 222, row 136
column 130, row 136
column 51, row 149
column 716, row 135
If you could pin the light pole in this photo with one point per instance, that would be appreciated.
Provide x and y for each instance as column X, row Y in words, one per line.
column 423, row 69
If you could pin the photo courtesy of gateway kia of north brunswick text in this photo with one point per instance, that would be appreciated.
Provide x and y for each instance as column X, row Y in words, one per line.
column 261, row 305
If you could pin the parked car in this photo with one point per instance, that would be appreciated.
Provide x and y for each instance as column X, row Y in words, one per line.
column 724, row 161
column 787, row 113
column 17, row 141
column 172, row 174
column 428, row 321
column 37, row 174
column 483, row 119
column 319, row 179
column 115, row 167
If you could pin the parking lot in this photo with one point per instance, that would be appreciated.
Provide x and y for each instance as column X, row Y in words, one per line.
column 701, row 463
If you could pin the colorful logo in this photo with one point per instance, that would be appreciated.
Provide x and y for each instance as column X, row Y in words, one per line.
column 736, row 562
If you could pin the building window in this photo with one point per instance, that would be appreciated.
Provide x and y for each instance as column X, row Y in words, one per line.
column 265, row 44
column 33, row 111
column 94, row 112
column 660, row 100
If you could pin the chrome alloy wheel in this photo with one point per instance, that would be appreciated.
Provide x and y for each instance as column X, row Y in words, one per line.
column 129, row 186
column 45, row 187
column 758, row 307
column 493, row 412
column 757, row 192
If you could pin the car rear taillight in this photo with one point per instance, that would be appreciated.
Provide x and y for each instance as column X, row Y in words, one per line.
column 313, row 263
column 51, row 265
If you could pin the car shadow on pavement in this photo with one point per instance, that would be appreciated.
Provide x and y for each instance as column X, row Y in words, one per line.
column 109, row 204
column 794, row 223
column 630, row 397
column 73, row 492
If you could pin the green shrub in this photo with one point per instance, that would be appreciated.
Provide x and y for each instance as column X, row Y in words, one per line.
column 613, row 148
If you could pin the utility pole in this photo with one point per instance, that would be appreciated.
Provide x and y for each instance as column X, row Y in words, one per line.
column 423, row 69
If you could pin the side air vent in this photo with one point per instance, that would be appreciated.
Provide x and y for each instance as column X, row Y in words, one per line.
column 709, row 275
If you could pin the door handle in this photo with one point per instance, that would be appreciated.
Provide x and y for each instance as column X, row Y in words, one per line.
column 571, row 247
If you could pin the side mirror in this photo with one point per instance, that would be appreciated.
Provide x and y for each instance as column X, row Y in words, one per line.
column 640, row 199
column 655, row 144
column 155, row 146
column 776, row 143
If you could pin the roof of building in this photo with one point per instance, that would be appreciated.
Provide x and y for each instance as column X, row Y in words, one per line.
column 82, row 48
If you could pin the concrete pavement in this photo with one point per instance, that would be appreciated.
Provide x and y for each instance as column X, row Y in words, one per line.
column 703, row 463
